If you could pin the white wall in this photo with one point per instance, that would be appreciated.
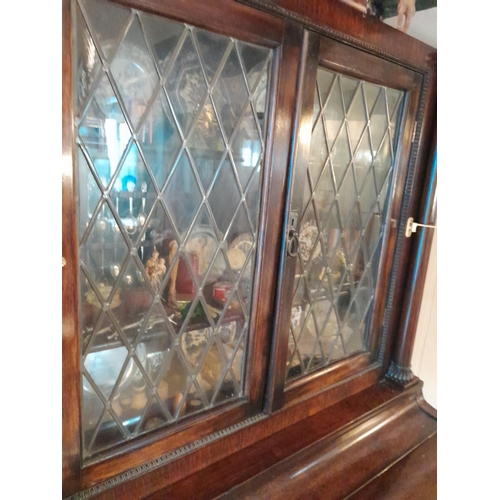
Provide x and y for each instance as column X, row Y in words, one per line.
column 424, row 359
column 423, row 26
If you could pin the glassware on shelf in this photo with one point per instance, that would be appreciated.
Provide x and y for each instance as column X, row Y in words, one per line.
column 169, row 168
column 348, row 175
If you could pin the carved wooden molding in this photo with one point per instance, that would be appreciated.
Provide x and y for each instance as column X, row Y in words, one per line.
column 400, row 375
column 168, row 457
column 404, row 212
column 163, row 460
column 426, row 70
column 282, row 12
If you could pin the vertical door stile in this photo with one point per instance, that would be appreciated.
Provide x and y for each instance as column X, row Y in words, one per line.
column 262, row 309
column 71, row 461
column 347, row 172
column 297, row 165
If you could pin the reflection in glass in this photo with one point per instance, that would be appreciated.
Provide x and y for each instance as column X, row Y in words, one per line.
column 344, row 201
column 169, row 123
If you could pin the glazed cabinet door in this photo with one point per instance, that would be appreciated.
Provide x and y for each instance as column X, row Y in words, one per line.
column 171, row 118
column 353, row 129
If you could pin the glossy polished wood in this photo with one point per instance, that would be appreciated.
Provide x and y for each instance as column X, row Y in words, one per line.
column 387, row 299
column 161, row 442
column 403, row 314
column 420, row 252
column 71, row 461
column 183, row 433
column 122, row 457
column 289, row 73
column 239, row 466
column 239, row 20
column 319, row 51
column 208, row 456
column 280, row 140
column 340, row 463
column 335, row 373
column 341, row 57
column 413, row 477
column 350, row 61
column 297, row 166
column 335, row 18
column 257, row 358
column 169, row 468
column 318, row 455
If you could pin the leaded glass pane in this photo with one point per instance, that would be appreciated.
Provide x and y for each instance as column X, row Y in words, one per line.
column 169, row 128
column 344, row 202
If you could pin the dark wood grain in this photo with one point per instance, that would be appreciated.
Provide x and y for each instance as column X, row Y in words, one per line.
column 160, row 442
column 217, row 476
column 297, row 168
column 239, row 21
column 346, row 59
column 188, row 462
column 334, row 373
column 400, row 333
column 205, row 456
column 341, row 462
column 419, row 258
column 388, row 296
column 225, row 17
column 350, row 61
column 414, row 477
column 273, row 206
column 342, row 21
column 71, row 461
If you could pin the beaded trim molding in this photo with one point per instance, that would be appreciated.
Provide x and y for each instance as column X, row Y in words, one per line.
column 169, row 457
column 164, row 459
column 404, row 214
column 426, row 72
column 282, row 12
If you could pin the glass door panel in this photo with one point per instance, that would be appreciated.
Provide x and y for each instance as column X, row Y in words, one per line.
column 169, row 124
column 345, row 198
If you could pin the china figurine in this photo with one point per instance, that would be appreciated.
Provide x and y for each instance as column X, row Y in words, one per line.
column 155, row 270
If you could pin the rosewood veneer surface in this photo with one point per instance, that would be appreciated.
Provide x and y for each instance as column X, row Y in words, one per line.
column 353, row 434
column 323, row 456
column 414, row 477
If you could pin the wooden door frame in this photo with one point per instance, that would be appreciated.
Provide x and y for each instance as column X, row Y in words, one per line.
column 144, row 470
column 77, row 474
column 320, row 51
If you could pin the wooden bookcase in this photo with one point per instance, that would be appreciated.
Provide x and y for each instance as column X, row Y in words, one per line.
column 296, row 410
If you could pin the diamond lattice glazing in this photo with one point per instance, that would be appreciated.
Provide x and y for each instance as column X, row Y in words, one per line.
column 169, row 127
column 345, row 198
